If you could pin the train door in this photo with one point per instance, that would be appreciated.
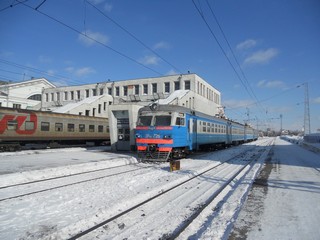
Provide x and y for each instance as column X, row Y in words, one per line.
column 123, row 133
column 192, row 133
column 229, row 133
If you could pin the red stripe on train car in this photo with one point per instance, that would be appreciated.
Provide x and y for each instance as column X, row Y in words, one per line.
column 164, row 149
column 142, row 128
column 164, row 128
column 154, row 140
column 142, row 148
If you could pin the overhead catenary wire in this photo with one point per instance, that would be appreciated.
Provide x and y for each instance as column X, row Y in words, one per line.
column 134, row 37
column 244, row 83
column 92, row 39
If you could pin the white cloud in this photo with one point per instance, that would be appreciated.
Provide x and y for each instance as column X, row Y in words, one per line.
column 317, row 100
column 250, row 43
column 86, row 37
column 80, row 72
column 44, row 59
column 108, row 7
column 271, row 84
column 232, row 103
column 161, row 45
column 172, row 72
column 262, row 56
column 150, row 60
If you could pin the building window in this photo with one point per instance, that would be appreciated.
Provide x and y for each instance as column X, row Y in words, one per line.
column 78, row 94
column 117, row 91
column 52, row 97
column 36, row 97
column 91, row 128
column 94, row 92
column 47, row 97
column 187, row 85
column 58, row 96
column 18, row 106
column 166, row 87
column 45, row 126
column 101, row 91
column 136, row 89
column 177, row 85
column 125, row 90
column 104, row 106
column 70, row 127
column 87, row 93
column 99, row 108
column 154, row 88
column 145, row 88
column 87, row 112
column 59, row 127
column 110, row 91
column 82, row 128
column 72, row 95
column 66, row 96
column 100, row 128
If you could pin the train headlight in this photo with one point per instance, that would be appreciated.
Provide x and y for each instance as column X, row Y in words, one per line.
column 167, row 137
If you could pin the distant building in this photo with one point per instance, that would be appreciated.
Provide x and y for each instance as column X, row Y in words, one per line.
column 25, row 95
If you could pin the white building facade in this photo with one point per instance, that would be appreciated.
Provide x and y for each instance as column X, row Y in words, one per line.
column 24, row 95
column 120, row 101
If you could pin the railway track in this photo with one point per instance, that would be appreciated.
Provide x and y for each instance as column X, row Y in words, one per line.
column 181, row 203
column 33, row 187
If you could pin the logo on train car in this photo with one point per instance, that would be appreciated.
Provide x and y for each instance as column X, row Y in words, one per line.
column 16, row 122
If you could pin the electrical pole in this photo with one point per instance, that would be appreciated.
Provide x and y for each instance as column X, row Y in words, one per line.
column 306, row 110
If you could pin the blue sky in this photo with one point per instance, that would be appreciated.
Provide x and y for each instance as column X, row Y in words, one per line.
column 276, row 44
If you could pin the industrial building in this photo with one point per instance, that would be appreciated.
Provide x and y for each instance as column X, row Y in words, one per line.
column 120, row 101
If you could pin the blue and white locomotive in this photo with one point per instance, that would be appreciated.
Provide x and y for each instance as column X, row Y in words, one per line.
column 166, row 132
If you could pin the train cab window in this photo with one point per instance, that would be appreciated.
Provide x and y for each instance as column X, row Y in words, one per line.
column 82, row 128
column 162, row 121
column 70, row 127
column 59, row 127
column 144, row 121
column 45, row 126
column 180, row 121
column 12, row 125
column 100, row 128
column 91, row 128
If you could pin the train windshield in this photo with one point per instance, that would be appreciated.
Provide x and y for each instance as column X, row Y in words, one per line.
column 162, row 121
column 144, row 121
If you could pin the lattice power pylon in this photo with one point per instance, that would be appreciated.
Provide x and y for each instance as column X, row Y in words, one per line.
column 306, row 110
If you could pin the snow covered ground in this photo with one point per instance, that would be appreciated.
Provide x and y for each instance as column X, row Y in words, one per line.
column 74, row 202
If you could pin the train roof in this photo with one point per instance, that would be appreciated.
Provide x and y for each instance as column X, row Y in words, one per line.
column 175, row 108
column 28, row 111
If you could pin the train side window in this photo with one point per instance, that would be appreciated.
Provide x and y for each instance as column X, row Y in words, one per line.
column 45, row 126
column 12, row 125
column 91, row 128
column 29, row 125
column 100, row 128
column 180, row 121
column 208, row 127
column 204, row 128
column 70, row 127
column 82, row 128
column 59, row 127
